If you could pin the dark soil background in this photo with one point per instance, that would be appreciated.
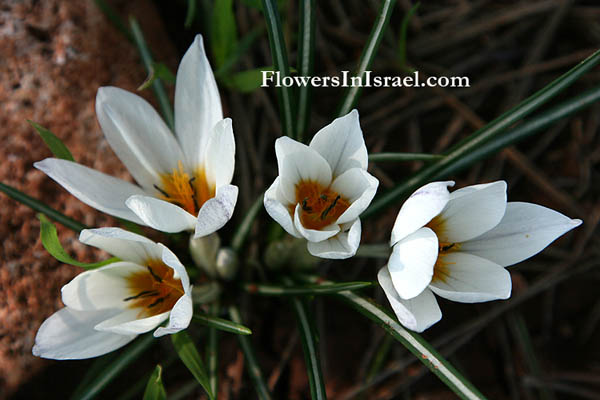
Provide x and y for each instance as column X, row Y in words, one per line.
column 542, row 343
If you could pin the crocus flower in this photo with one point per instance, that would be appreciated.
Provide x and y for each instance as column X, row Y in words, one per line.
column 108, row 307
column 457, row 244
column 322, row 188
column 183, row 180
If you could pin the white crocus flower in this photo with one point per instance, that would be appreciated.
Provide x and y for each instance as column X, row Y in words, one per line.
column 457, row 244
column 108, row 307
column 184, row 180
column 322, row 188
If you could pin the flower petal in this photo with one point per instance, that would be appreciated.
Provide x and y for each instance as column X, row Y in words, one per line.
column 304, row 165
column 102, row 288
column 420, row 208
column 98, row 190
column 525, row 230
column 137, row 135
column 171, row 260
column 215, row 212
column 470, row 279
column 127, row 246
column 341, row 246
column 219, row 160
column 418, row 313
column 180, row 317
column 197, row 102
column 472, row 211
column 278, row 211
column 160, row 214
column 412, row 261
column 313, row 235
column 341, row 143
column 69, row 335
column 128, row 323
column 358, row 187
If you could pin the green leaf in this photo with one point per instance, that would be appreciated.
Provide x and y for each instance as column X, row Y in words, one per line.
column 191, row 14
column 157, row 71
column 246, row 81
column 222, row 324
column 155, row 389
column 243, row 228
column 318, row 289
column 56, row 146
column 52, row 244
column 306, row 55
column 242, row 48
column 212, row 352
column 37, row 205
column 189, row 356
column 403, row 34
column 223, row 33
column 395, row 157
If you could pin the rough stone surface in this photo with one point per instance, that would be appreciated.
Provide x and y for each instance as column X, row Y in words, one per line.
column 53, row 57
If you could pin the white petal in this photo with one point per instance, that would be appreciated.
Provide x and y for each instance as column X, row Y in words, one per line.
column 215, row 212
column 285, row 146
column 171, row 260
column 278, row 211
column 341, row 246
column 472, row 211
column 127, row 246
column 128, row 323
column 197, row 102
column 219, row 160
column 98, row 190
column 525, row 230
column 160, row 214
column 69, row 335
column 101, row 288
column 342, row 144
column 420, row 208
column 137, row 135
column 412, row 261
column 471, row 279
column 305, row 165
column 180, row 317
column 358, row 187
column 313, row 235
column 418, row 313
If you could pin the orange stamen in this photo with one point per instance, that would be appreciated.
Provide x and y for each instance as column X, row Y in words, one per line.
column 320, row 206
column 188, row 192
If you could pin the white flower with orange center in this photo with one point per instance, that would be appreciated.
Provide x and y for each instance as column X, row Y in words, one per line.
column 457, row 246
column 184, row 180
column 322, row 188
column 108, row 307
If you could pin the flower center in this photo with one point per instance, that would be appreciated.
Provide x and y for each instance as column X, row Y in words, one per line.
column 188, row 192
column 320, row 206
column 440, row 269
column 155, row 290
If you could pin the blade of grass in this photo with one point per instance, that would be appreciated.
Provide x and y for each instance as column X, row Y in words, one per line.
column 243, row 46
column 280, row 62
column 403, row 35
column 222, row 324
column 114, row 18
column 368, row 55
column 306, row 55
column 155, row 389
column 189, row 356
column 37, row 205
column 56, row 146
column 212, row 352
column 190, row 14
column 223, row 31
column 253, row 369
column 395, row 157
column 127, row 356
column 380, row 357
column 243, row 228
column 157, row 86
column 489, row 132
column 305, row 290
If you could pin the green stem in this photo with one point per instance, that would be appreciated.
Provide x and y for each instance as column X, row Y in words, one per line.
column 243, row 229
column 212, row 353
column 396, row 157
column 306, row 45
column 222, row 324
column 305, row 290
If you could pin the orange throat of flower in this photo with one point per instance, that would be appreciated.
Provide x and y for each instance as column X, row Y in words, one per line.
column 153, row 291
column 185, row 191
column 440, row 270
column 320, row 206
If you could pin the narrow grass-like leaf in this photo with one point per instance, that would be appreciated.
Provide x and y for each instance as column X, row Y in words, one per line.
column 403, row 36
column 114, row 18
column 114, row 368
column 380, row 357
column 56, row 146
column 306, row 55
column 242, row 47
column 157, row 86
column 285, row 94
column 190, row 14
column 262, row 390
column 51, row 243
column 244, row 227
column 222, row 324
column 246, row 81
column 223, row 32
column 37, row 205
column 491, row 131
column 368, row 55
column 157, row 71
column 397, row 157
column 304, row 290
column 189, row 356
column 374, row 251
column 212, row 352
column 155, row 389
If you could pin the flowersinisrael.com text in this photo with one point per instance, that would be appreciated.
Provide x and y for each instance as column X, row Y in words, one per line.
column 274, row 78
